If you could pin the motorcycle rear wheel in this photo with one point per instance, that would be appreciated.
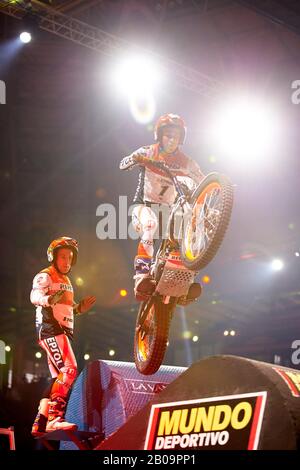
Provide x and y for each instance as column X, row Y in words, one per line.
column 151, row 338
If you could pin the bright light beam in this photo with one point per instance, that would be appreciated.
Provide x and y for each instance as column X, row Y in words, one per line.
column 136, row 74
column 277, row 265
column 187, row 346
column 136, row 78
column 245, row 129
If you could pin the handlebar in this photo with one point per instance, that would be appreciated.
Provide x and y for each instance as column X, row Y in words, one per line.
column 141, row 160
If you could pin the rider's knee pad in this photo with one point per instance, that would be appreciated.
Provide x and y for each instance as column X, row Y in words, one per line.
column 150, row 225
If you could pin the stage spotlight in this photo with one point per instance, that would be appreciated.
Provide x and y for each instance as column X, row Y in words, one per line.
column 123, row 292
column 277, row 264
column 205, row 279
column 79, row 281
column 137, row 78
column 25, row 37
column 29, row 25
column 135, row 75
column 245, row 129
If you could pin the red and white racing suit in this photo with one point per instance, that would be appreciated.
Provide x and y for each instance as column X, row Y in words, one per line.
column 54, row 326
column 155, row 187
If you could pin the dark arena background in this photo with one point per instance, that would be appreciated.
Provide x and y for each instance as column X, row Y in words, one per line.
column 83, row 93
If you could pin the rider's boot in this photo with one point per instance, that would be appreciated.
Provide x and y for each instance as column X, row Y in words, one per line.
column 144, row 284
column 40, row 422
column 193, row 294
column 195, row 291
column 56, row 421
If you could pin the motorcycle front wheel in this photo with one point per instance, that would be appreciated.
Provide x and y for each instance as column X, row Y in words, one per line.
column 151, row 335
column 205, row 228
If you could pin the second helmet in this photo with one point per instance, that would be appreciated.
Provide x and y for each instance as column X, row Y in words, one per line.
column 62, row 242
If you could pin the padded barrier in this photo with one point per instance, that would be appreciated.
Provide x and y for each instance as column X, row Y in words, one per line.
column 222, row 402
column 107, row 393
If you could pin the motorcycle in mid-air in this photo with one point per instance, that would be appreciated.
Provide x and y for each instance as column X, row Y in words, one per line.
column 204, row 217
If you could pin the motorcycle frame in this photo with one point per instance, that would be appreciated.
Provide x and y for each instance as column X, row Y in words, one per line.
column 181, row 276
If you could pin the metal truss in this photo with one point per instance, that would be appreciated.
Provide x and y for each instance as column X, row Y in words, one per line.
column 285, row 14
column 108, row 44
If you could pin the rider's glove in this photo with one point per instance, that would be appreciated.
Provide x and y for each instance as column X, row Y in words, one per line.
column 129, row 162
column 84, row 305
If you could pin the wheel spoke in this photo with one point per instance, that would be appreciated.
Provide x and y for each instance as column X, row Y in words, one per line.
column 204, row 223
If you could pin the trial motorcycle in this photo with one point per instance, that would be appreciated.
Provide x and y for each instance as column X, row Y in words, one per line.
column 204, row 217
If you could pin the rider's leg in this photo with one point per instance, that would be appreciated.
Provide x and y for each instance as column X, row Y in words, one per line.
column 195, row 291
column 145, row 222
column 63, row 368
column 40, row 422
column 193, row 294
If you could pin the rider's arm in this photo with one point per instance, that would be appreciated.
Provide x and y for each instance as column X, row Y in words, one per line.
column 128, row 162
column 131, row 160
column 40, row 288
column 84, row 305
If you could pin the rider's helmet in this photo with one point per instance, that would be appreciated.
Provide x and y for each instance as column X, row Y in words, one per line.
column 62, row 242
column 169, row 120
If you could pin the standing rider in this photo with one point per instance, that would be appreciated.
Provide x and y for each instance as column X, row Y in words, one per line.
column 52, row 294
column 155, row 187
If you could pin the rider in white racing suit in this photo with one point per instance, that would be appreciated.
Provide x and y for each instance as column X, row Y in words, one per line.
column 52, row 294
column 155, row 187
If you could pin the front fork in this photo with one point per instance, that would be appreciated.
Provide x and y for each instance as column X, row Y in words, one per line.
column 142, row 327
column 176, row 225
